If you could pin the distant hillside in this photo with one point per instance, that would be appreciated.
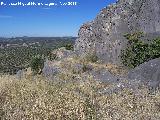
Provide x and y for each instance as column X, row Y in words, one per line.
column 16, row 53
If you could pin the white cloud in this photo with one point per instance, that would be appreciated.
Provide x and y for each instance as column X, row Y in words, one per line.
column 5, row 16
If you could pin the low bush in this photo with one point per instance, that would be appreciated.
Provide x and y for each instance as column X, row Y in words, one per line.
column 138, row 52
column 50, row 56
column 37, row 64
column 91, row 57
column 69, row 47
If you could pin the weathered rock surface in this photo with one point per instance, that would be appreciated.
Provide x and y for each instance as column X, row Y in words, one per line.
column 49, row 70
column 105, row 34
column 20, row 74
column 103, row 75
column 114, row 83
column 148, row 73
column 62, row 53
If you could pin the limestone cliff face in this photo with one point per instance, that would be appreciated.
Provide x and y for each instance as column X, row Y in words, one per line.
column 105, row 34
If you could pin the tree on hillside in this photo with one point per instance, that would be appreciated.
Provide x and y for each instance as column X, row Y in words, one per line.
column 37, row 64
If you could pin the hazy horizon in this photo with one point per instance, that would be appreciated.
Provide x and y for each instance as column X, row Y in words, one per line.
column 36, row 36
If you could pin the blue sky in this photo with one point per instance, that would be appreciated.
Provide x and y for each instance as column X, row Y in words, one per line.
column 47, row 21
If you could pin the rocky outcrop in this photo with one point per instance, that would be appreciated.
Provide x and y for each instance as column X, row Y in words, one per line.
column 147, row 73
column 105, row 35
column 62, row 53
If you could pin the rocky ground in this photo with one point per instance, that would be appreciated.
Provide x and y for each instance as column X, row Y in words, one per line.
column 79, row 67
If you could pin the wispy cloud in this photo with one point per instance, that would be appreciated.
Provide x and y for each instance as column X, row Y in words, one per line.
column 46, row 8
column 5, row 16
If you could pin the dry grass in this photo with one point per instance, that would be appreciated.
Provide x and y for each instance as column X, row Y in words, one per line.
column 114, row 69
column 72, row 100
column 67, row 98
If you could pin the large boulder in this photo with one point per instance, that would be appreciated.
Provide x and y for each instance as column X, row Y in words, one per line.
column 113, row 83
column 147, row 73
column 105, row 34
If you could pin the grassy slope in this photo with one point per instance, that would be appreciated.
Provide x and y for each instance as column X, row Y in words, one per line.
column 72, row 100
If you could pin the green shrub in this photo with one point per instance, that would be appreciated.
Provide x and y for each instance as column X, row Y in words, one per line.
column 51, row 56
column 155, row 48
column 138, row 52
column 69, row 47
column 86, row 68
column 91, row 57
column 37, row 64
